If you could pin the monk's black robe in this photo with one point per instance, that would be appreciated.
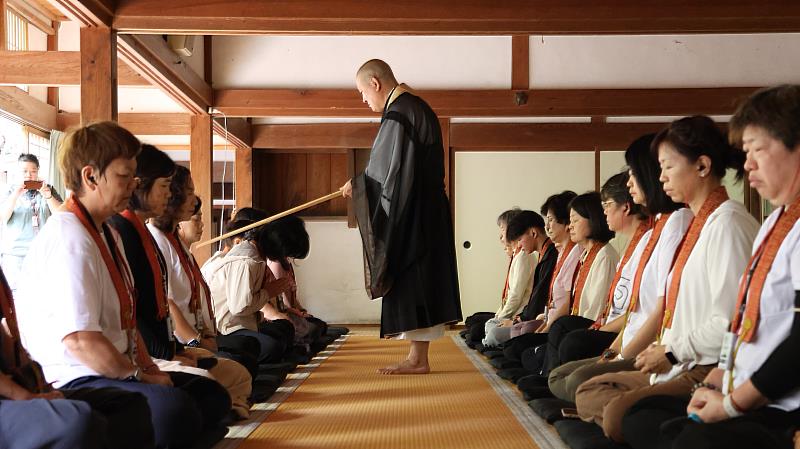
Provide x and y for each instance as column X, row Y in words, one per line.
column 404, row 218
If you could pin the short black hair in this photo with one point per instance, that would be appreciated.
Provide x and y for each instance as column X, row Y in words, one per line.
column 506, row 216
column 523, row 221
column 233, row 226
column 197, row 205
column 283, row 238
column 177, row 189
column 616, row 189
column 151, row 164
column 252, row 215
column 589, row 206
column 697, row 136
column 558, row 205
column 775, row 109
column 647, row 172
column 27, row 157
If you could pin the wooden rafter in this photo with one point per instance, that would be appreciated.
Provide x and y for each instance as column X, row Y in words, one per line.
column 315, row 136
column 238, row 133
column 480, row 103
column 455, row 17
column 89, row 13
column 53, row 68
column 27, row 108
column 152, row 58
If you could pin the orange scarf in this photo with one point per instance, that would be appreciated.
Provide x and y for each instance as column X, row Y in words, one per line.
column 151, row 251
column 192, row 270
column 116, row 265
column 717, row 197
column 648, row 251
column 643, row 227
column 755, row 276
column 559, row 265
column 581, row 273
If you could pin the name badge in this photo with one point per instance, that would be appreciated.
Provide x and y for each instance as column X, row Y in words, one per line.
column 170, row 328
column 726, row 352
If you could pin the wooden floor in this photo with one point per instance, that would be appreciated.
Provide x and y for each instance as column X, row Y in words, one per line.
column 344, row 404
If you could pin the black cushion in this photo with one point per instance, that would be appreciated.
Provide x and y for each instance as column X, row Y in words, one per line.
column 531, row 381
column 502, row 363
column 513, row 374
column 579, row 434
column 536, row 393
column 550, row 408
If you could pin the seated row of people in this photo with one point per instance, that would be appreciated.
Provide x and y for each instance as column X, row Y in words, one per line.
column 692, row 347
column 124, row 324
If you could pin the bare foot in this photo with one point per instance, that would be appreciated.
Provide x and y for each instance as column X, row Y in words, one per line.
column 405, row 367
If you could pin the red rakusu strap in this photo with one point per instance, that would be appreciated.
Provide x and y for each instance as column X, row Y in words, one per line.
column 150, row 251
column 717, row 197
column 757, row 270
column 583, row 269
column 122, row 283
column 192, row 270
column 646, row 254
column 557, row 270
column 643, row 227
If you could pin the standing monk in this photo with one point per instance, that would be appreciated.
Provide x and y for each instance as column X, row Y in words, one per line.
column 404, row 218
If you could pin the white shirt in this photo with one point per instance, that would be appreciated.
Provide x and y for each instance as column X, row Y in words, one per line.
column 563, row 283
column 179, row 288
column 520, row 284
column 708, row 288
column 656, row 272
column 598, row 282
column 622, row 291
column 776, row 311
column 76, row 295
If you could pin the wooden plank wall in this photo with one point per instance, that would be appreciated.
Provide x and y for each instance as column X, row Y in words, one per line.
column 282, row 180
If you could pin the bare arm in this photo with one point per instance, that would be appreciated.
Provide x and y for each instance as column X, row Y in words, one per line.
column 183, row 330
column 614, row 326
column 7, row 209
column 95, row 351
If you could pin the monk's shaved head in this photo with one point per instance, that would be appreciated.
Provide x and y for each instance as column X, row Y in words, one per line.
column 375, row 68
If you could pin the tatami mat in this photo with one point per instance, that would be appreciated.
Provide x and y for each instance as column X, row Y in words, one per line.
column 345, row 404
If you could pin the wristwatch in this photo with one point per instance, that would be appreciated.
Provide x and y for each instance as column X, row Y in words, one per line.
column 671, row 357
column 137, row 375
column 193, row 343
column 609, row 354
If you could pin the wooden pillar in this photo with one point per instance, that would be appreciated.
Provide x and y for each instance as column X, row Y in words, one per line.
column 98, row 74
column 52, row 45
column 752, row 201
column 520, row 62
column 243, row 167
column 208, row 54
column 200, row 163
column 3, row 31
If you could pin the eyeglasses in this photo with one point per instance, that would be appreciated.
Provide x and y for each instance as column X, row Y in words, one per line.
column 607, row 204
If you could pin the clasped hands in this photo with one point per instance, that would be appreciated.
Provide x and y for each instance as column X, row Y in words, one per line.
column 653, row 360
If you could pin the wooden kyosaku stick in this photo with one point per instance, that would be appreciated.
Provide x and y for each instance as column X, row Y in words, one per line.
column 326, row 198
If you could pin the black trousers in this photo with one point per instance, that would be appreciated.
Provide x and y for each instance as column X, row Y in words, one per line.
column 514, row 348
column 558, row 331
column 583, row 344
column 660, row 422
column 126, row 415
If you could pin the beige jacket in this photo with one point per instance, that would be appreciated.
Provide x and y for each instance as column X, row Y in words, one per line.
column 235, row 281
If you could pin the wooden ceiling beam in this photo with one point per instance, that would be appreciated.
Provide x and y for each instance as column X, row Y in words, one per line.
column 547, row 136
column 447, row 17
column 89, row 13
column 341, row 136
column 53, row 68
column 150, row 56
column 166, row 124
column 27, row 108
column 488, row 103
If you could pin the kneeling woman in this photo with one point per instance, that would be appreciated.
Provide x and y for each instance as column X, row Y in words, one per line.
column 753, row 399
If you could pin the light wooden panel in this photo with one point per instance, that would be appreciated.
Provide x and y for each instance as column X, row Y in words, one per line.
column 53, row 68
column 98, row 74
column 200, row 164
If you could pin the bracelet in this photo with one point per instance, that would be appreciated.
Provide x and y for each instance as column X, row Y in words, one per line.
column 700, row 385
column 730, row 408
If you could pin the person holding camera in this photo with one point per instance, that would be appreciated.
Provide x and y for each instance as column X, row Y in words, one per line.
column 24, row 211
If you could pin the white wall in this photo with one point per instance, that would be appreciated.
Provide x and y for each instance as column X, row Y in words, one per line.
column 331, row 279
column 130, row 99
column 468, row 62
column 720, row 60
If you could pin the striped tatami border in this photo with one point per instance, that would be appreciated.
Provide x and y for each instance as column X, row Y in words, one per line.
column 259, row 412
column 543, row 434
